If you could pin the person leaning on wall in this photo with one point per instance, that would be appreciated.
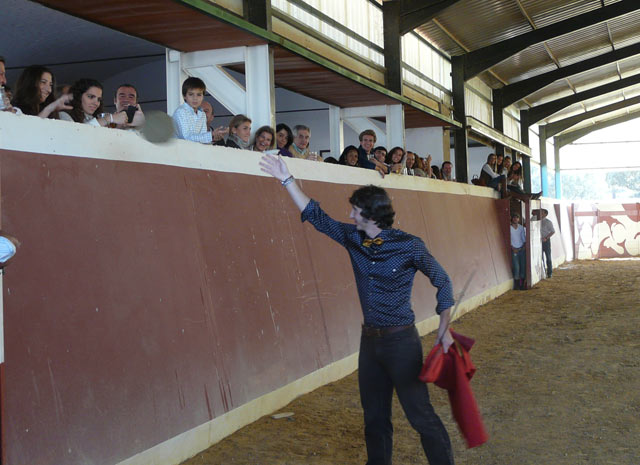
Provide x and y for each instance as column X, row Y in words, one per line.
column 8, row 247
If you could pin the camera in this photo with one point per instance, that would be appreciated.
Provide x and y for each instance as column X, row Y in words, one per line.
column 131, row 110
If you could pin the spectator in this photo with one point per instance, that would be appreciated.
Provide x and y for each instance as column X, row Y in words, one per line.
column 506, row 165
column 349, row 156
column 365, row 150
column 5, row 99
column 435, row 170
column 239, row 132
column 428, row 168
column 189, row 120
column 518, row 252
column 217, row 133
column 546, row 231
column 499, row 163
column 86, row 105
column 8, row 247
column 34, row 93
column 366, row 156
column 331, row 160
column 411, row 163
column 380, row 154
column 3, row 72
column 300, row 146
column 395, row 160
column 418, row 167
column 264, row 139
column 514, row 180
column 125, row 97
column 491, row 178
column 284, row 139
column 446, row 171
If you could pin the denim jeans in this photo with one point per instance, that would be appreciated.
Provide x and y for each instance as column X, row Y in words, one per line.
column 495, row 182
column 519, row 263
column 546, row 253
column 394, row 361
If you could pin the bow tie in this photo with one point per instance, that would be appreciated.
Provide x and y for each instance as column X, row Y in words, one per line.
column 376, row 241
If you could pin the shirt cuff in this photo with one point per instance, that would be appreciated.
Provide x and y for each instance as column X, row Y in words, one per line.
column 308, row 210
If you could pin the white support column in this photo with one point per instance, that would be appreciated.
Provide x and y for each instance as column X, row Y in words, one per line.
column 544, row 180
column 207, row 65
column 395, row 126
column 260, row 86
column 556, row 150
column 336, row 131
column 175, row 77
column 256, row 98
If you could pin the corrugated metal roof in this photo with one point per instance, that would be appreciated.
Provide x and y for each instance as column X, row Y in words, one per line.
column 529, row 62
column 546, row 12
column 478, row 23
column 554, row 91
column 591, row 41
column 595, row 77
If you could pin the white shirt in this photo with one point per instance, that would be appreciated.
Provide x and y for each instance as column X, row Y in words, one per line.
column 191, row 125
column 518, row 236
column 487, row 169
column 7, row 249
column 546, row 227
column 88, row 119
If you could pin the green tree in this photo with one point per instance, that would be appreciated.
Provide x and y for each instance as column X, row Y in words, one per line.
column 578, row 187
column 624, row 182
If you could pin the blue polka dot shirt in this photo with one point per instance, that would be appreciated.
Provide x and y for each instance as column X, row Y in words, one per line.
column 384, row 273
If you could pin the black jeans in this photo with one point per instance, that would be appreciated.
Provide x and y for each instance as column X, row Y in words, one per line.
column 546, row 253
column 389, row 362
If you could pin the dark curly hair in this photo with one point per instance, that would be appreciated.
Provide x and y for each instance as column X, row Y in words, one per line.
column 282, row 126
column 375, row 204
column 77, row 89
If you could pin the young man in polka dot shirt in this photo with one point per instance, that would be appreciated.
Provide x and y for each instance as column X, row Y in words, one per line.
column 385, row 261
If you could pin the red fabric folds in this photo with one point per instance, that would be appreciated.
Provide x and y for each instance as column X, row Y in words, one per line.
column 453, row 371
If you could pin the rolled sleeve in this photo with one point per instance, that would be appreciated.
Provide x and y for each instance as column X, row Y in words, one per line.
column 439, row 278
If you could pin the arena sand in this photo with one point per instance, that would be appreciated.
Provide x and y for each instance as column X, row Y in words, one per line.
column 558, row 383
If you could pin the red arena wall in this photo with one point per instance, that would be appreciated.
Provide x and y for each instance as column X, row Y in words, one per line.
column 148, row 299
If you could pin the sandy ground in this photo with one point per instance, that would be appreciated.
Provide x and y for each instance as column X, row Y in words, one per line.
column 558, row 382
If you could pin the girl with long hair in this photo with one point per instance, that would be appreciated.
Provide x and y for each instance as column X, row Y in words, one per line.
column 34, row 93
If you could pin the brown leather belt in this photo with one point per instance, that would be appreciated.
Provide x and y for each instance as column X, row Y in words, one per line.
column 372, row 331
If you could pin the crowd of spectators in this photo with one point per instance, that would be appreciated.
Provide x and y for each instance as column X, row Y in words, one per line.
column 36, row 93
column 82, row 102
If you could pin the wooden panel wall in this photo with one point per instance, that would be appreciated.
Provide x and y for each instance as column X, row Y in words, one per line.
column 148, row 299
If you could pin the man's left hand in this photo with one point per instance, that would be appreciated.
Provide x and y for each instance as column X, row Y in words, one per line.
column 446, row 340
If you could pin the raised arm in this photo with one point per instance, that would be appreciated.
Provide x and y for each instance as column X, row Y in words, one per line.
column 60, row 104
column 277, row 168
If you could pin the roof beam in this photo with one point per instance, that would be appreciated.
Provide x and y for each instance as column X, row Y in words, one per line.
column 417, row 12
column 572, row 136
column 258, row 13
column 558, row 126
column 518, row 90
column 391, row 14
column 539, row 112
column 484, row 58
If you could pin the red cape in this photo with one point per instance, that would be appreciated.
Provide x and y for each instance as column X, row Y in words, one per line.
column 453, row 371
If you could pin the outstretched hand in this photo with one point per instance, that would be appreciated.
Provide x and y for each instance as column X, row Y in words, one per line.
column 275, row 166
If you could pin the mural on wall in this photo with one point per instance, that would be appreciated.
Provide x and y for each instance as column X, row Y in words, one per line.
column 607, row 230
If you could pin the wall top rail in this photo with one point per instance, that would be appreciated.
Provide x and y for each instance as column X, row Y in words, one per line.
column 60, row 138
